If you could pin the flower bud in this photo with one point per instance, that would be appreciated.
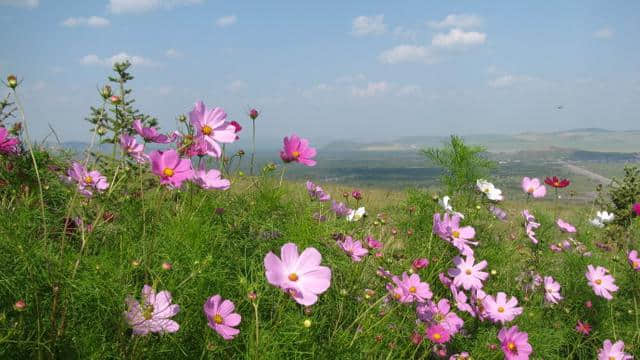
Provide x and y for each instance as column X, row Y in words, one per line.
column 115, row 100
column 105, row 92
column 416, row 338
column 252, row 296
column 307, row 323
column 240, row 152
column 166, row 266
column 182, row 118
column 20, row 305
column 12, row 81
column 101, row 130
column 253, row 114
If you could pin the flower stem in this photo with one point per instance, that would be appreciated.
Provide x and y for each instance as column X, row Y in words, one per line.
column 253, row 152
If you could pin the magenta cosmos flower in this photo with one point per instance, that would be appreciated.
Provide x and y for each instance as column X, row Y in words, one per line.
column 211, row 179
column 353, row 248
column 515, row 343
column 221, row 317
column 438, row 334
column 316, row 192
column 411, row 289
column 613, row 351
column 468, row 275
column 601, row 282
column 153, row 314
column 298, row 150
column 419, row 263
column 150, row 134
column 212, row 125
column 440, row 314
column 448, row 229
column 551, row 290
column 500, row 309
column 373, row 243
column 636, row 209
column 172, row 169
column 533, row 187
column 8, row 145
column 634, row 260
column 87, row 181
column 301, row 276
column 131, row 147
column 565, row 226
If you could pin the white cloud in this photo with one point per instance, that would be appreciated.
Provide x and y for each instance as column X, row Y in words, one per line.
column 226, row 21
column 173, row 54
column 508, row 80
column 368, row 25
column 135, row 60
column 458, row 38
column 405, row 33
column 604, row 33
column 237, row 86
column 372, row 89
column 407, row 53
column 409, row 90
column 92, row 21
column 22, row 3
column 141, row 6
column 463, row 21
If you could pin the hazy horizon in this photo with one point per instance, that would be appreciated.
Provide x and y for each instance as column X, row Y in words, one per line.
column 360, row 71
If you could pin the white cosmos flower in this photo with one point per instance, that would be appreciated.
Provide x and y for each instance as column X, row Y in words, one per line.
column 492, row 192
column 602, row 217
column 444, row 202
column 355, row 215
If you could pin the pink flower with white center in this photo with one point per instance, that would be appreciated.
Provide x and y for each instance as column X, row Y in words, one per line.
column 412, row 288
column 8, row 145
column 131, row 147
column 301, row 276
column 533, row 187
column 438, row 334
column 500, row 309
column 221, row 317
column 601, row 282
column 530, row 225
column 153, row 314
column 467, row 274
column 211, row 124
column 150, row 134
column 634, row 260
column 172, row 169
column 316, row 192
column 296, row 149
column 211, row 179
column 551, row 290
column 613, row 351
column 353, row 248
column 515, row 343
column 440, row 314
column 565, row 226
column 373, row 243
column 448, row 228
column 87, row 181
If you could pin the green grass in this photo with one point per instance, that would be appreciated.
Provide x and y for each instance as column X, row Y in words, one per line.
column 79, row 313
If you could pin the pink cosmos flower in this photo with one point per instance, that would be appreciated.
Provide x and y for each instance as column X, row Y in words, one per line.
column 150, row 134
column 8, row 145
column 172, row 169
column 419, row 263
column 237, row 128
column 445, row 280
column 211, row 179
column 601, row 282
column 613, row 351
column 340, row 209
column 87, row 181
column 221, row 317
column 316, row 192
column 530, row 224
column 298, row 150
column 438, row 334
column 153, row 314
column 373, row 243
column 131, row 147
column 636, row 209
column 551, row 290
column 498, row 212
column 583, row 328
column 533, row 187
column 634, row 260
column 461, row 300
column 211, row 124
column 565, row 226
column 468, row 275
column 440, row 314
column 353, row 248
column 412, row 288
column 515, row 343
column 301, row 276
column 500, row 309
column 448, row 229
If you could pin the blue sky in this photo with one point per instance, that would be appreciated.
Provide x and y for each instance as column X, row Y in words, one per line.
column 370, row 70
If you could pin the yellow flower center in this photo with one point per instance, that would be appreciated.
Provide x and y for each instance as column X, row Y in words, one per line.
column 468, row 271
column 500, row 309
column 635, row 264
column 293, row 277
column 296, row 154
column 147, row 313
column 207, row 130
column 167, row 172
column 412, row 289
column 598, row 281
column 530, row 190
column 397, row 296
column 217, row 319
column 511, row 346
column 456, row 234
column 437, row 336
column 88, row 180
